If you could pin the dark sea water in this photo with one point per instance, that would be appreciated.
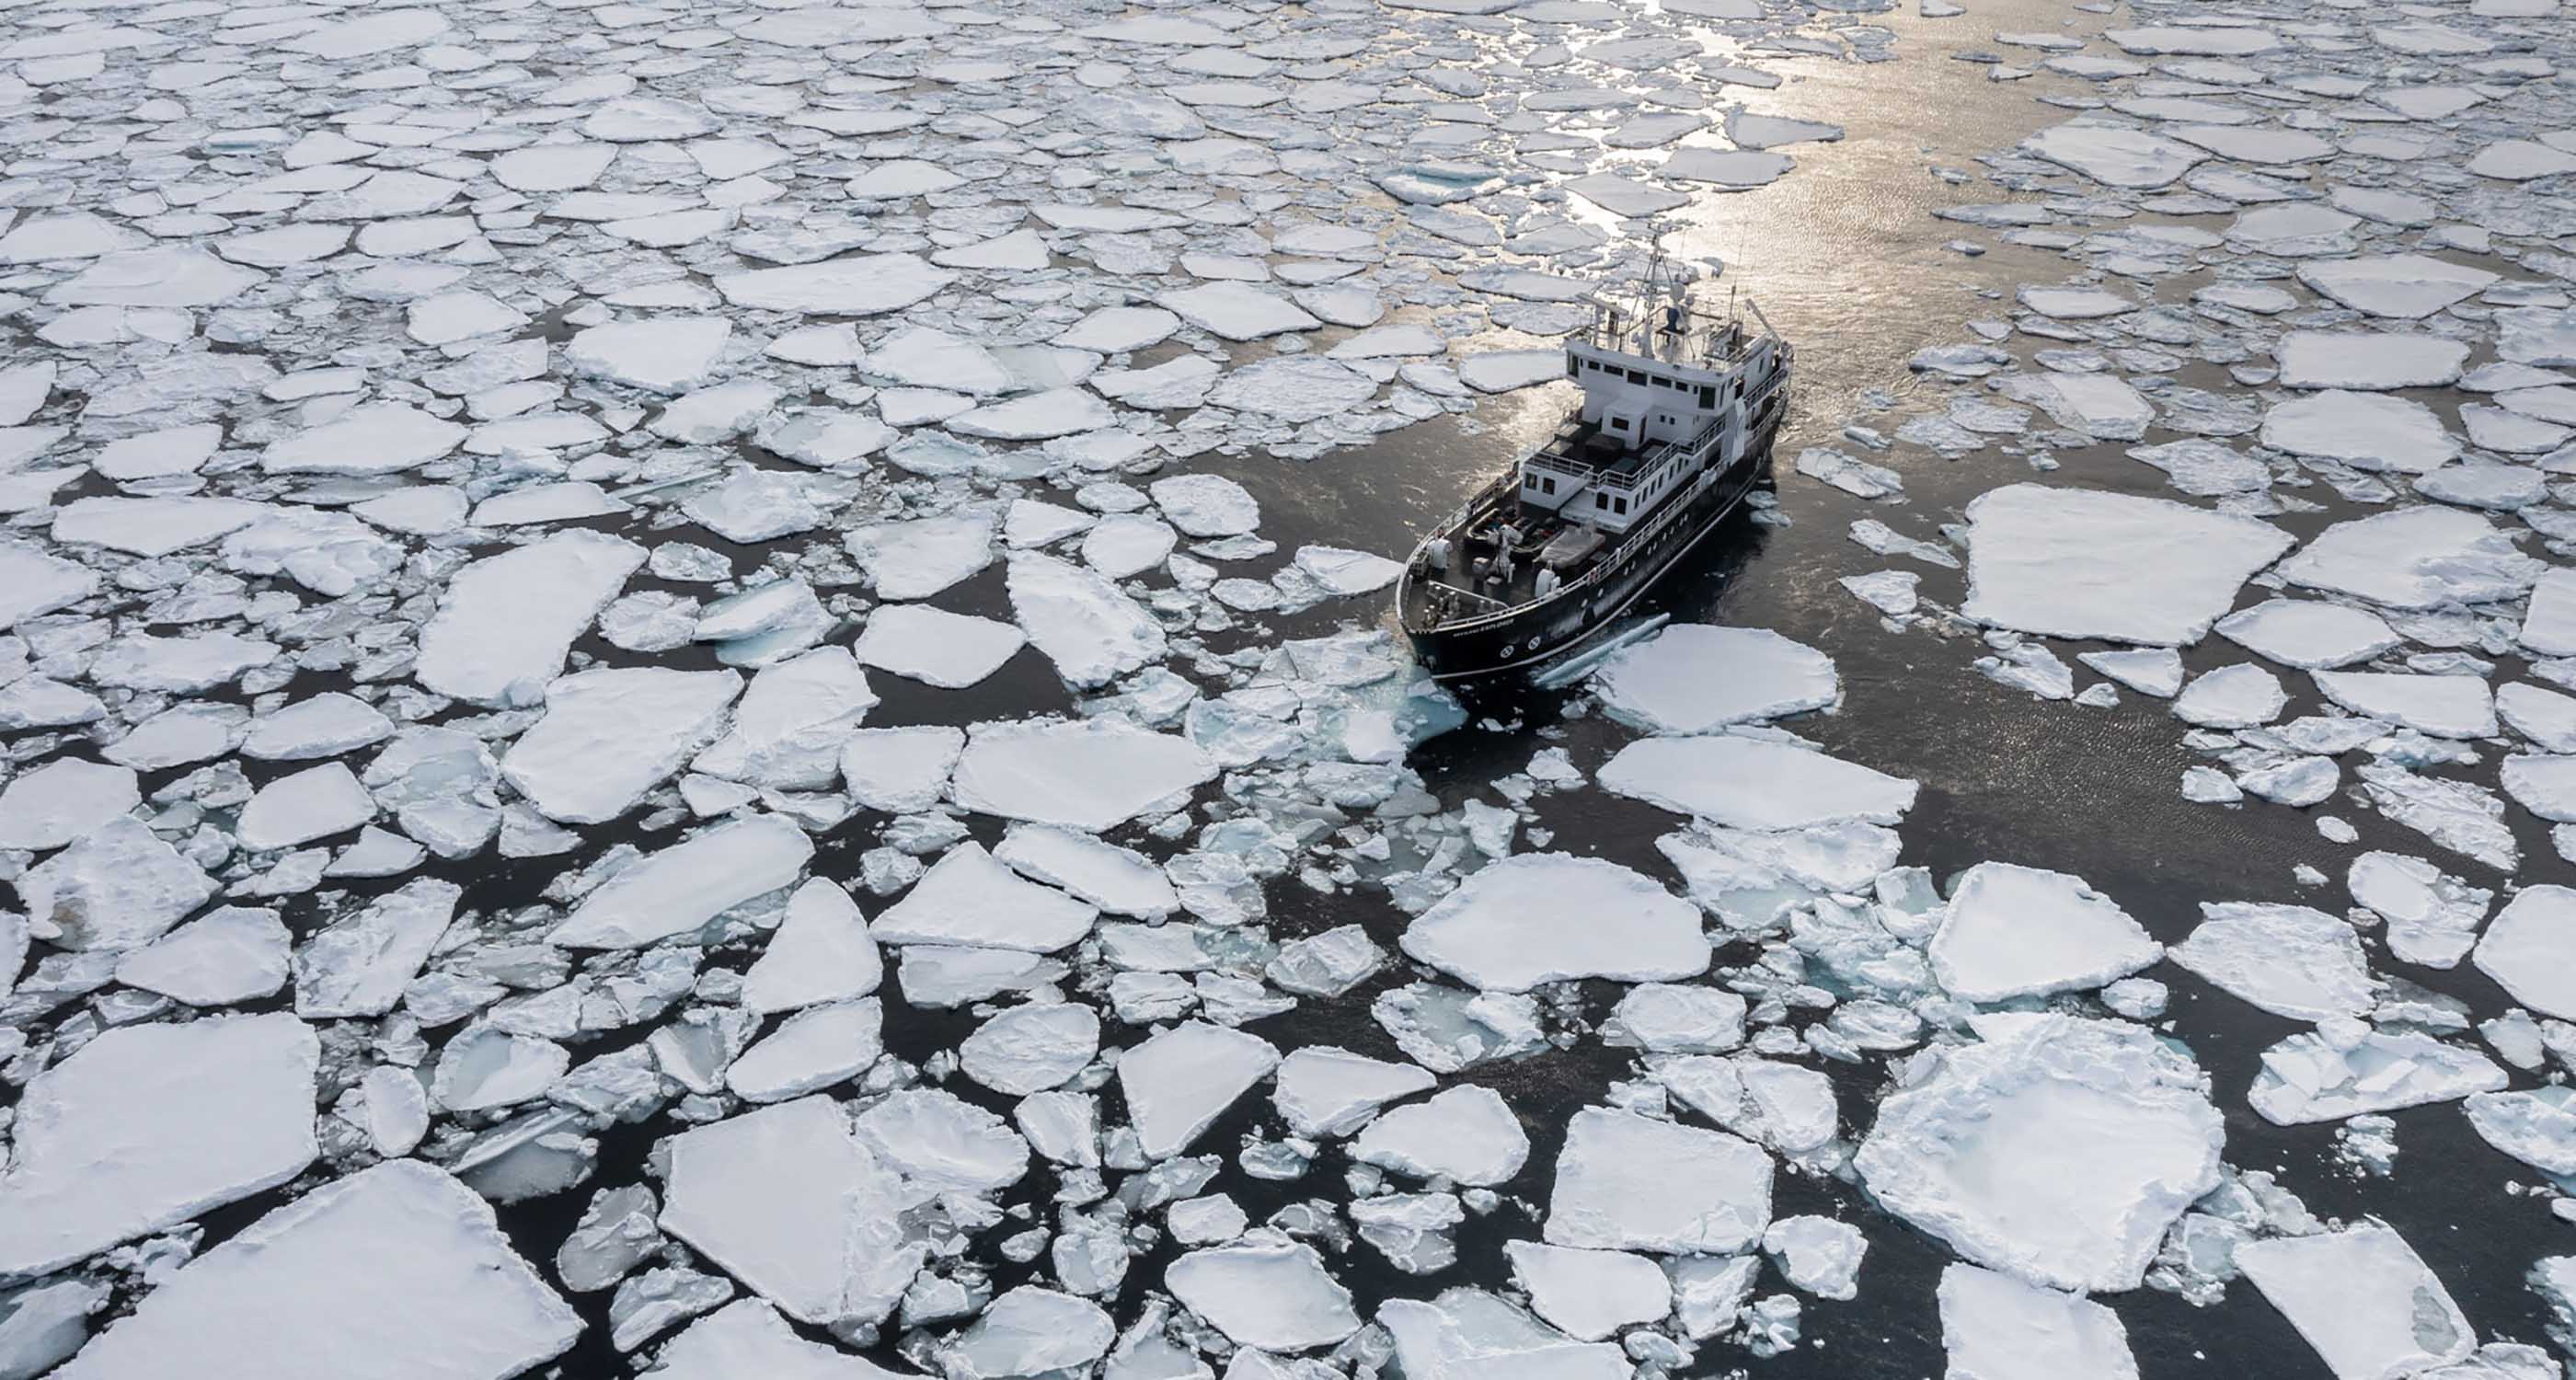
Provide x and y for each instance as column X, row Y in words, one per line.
column 1845, row 259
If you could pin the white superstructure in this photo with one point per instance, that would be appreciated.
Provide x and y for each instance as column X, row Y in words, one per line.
column 1667, row 393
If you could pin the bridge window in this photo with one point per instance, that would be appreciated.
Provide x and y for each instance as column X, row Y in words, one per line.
column 1636, row 376
column 1708, row 395
column 1551, row 486
column 1622, row 506
column 1600, row 499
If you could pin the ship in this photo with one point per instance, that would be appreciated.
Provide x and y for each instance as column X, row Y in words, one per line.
column 1678, row 414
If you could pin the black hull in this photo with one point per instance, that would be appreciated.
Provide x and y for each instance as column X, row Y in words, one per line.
column 1520, row 640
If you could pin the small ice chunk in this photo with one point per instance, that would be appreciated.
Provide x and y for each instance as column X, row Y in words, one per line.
column 810, row 1050
column 2345, row 1069
column 1668, row 1019
column 944, row 1144
column 63, row 800
column 2439, row 706
column 2113, row 155
column 375, row 438
column 1089, row 774
column 900, row 770
column 2407, row 286
column 665, row 354
column 1091, row 631
column 2308, row 634
column 1117, row 880
column 2153, row 671
column 360, row 964
column 2414, row 558
column 506, row 622
column 2432, row 918
column 852, row 285
column 325, row 725
column 790, row 728
column 486, row 1067
column 314, row 803
column 2238, row 696
column 747, row 1338
column 1206, row 505
column 1237, row 311
column 1030, row 1331
column 2369, row 360
column 2545, row 784
column 789, row 1201
column 33, row 584
column 2537, row 1127
column 1466, row 1333
column 1818, row 1254
column 2368, row 431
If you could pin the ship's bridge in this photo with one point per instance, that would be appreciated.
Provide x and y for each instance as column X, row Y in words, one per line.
column 1665, row 392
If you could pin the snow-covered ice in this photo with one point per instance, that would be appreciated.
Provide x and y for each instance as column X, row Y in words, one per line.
column 2528, row 946
column 1090, row 774
column 1754, row 783
column 786, row 1199
column 611, row 735
column 1180, row 1081
column 969, row 898
column 1626, row 1182
column 2012, row 931
column 1505, row 928
column 1692, row 677
column 395, row 1271
column 1591, row 1294
column 2086, row 563
column 2362, row 1298
column 2057, row 1150
column 682, row 887
column 1272, row 1294
column 2290, row 960
column 150, row 1125
column 1997, row 1327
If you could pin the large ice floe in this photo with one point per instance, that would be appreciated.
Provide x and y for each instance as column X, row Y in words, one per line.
column 2058, row 1150
column 2084, row 563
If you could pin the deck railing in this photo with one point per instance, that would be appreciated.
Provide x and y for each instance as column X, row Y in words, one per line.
column 1625, row 478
